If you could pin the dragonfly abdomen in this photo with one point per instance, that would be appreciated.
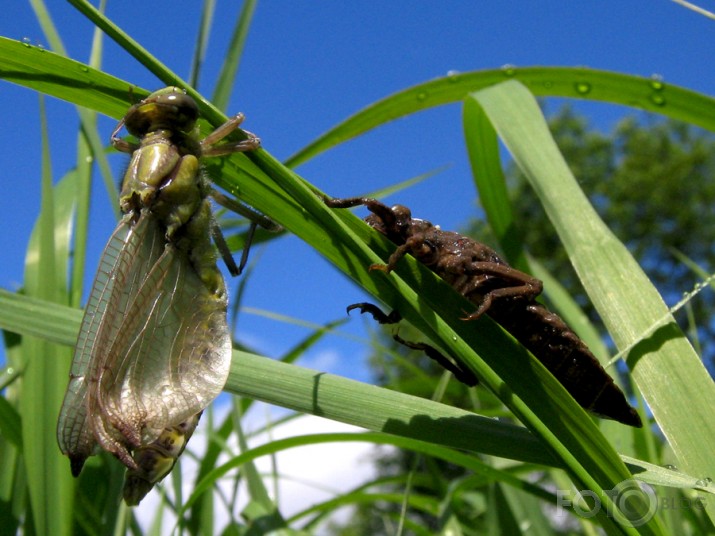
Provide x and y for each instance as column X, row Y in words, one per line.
column 155, row 460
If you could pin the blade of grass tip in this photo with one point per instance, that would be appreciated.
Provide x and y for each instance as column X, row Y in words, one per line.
column 408, row 183
column 202, row 41
column 664, row 366
column 49, row 481
column 232, row 59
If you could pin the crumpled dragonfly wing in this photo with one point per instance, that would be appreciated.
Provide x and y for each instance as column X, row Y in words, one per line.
column 74, row 435
column 172, row 353
column 159, row 354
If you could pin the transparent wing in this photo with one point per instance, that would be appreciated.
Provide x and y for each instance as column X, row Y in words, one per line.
column 125, row 256
column 153, row 349
column 167, row 359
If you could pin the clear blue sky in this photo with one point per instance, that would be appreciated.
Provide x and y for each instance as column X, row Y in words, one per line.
column 307, row 66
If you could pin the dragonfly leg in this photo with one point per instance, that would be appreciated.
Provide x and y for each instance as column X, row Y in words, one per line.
column 251, row 142
column 122, row 145
column 239, row 208
column 256, row 218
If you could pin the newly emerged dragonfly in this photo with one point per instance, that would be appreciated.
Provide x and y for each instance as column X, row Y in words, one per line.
column 154, row 347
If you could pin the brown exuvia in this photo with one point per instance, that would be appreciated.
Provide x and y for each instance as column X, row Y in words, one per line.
column 507, row 295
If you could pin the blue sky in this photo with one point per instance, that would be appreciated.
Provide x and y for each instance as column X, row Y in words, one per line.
column 309, row 65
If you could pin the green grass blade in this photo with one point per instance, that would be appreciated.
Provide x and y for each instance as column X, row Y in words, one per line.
column 418, row 294
column 202, row 41
column 57, row 76
column 332, row 397
column 570, row 82
column 127, row 43
column 38, row 317
column 232, row 59
column 49, row 483
column 668, row 372
column 597, row 468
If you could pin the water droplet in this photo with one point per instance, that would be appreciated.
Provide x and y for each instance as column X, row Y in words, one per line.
column 10, row 371
column 548, row 85
column 26, row 42
column 85, row 69
column 508, row 69
column 453, row 76
column 656, row 82
column 422, row 96
column 582, row 88
column 670, row 467
column 658, row 100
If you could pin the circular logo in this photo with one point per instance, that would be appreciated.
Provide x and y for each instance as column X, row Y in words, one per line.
column 635, row 502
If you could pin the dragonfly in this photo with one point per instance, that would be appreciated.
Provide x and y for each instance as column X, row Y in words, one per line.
column 154, row 347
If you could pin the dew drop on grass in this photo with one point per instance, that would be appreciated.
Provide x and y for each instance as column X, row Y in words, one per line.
column 658, row 100
column 508, row 70
column 453, row 76
column 582, row 88
column 656, row 82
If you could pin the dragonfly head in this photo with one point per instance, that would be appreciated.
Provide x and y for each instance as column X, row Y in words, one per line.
column 169, row 108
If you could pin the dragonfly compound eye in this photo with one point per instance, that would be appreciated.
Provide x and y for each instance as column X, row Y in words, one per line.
column 176, row 111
